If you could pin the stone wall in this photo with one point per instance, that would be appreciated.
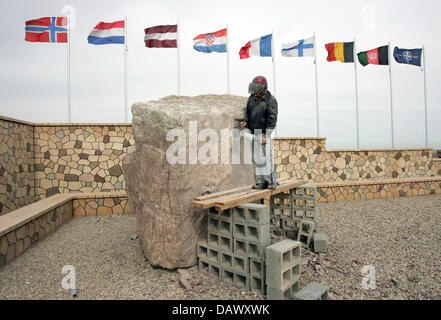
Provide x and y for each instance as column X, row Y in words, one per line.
column 39, row 160
column 16, row 164
column 80, row 157
column 98, row 204
column 307, row 159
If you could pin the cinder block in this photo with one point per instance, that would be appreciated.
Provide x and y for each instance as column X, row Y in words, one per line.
column 281, row 258
column 256, row 249
column 257, row 284
column 214, row 271
column 306, row 232
column 203, row 265
column 202, row 249
column 241, row 264
column 304, row 198
column 213, row 224
column 242, row 281
column 227, row 276
column 282, row 294
column 225, row 227
column 213, row 239
column 239, row 231
column 221, row 215
column 220, row 226
column 313, row 291
column 259, row 233
column 320, row 243
column 257, row 268
column 226, row 243
column 226, row 260
column 240, row 247
column 251, row 214
column 237, row 279
column 213, row 255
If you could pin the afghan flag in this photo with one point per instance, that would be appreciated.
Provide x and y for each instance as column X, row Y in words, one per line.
column 375, row 56
column 340, row 51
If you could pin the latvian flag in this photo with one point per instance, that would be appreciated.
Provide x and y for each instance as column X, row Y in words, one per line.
column 340, row 51
column 211, row 42
column 49, row 29
column 375, row 56
column 260, row 47
column 161, row 37
column 107, row 33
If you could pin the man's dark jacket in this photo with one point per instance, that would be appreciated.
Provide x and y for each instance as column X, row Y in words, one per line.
column 261, row 113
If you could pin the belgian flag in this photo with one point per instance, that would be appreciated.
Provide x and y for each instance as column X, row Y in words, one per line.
column 340, row 51
column 375, row 56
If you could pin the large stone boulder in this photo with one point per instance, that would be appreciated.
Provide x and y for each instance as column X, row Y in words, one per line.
column 160, row 191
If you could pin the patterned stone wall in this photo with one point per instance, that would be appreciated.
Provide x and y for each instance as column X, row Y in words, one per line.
column 80, row 158
column 101, row 204
column 16, row 165
column 387, row 188
column 307, row 159
column 39, row 160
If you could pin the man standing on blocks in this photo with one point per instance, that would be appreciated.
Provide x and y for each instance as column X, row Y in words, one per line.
column 261, row 119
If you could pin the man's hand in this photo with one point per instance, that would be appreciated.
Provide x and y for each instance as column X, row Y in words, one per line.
column 243, row 124
column 263, row 140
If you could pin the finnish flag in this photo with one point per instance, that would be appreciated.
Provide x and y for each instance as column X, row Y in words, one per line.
column 301, row 48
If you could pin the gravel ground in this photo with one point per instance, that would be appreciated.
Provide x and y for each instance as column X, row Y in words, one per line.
column 400, row 237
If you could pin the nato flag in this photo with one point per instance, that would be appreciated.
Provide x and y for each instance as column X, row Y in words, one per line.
column 408, row 56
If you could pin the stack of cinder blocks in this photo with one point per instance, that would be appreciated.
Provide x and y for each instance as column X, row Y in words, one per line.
column 283, row 269
column 235, row 247
column 293, row 215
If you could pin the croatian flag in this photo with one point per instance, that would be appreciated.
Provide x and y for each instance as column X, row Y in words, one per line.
column 301, row 48
column 260, row 47
column 211, row 42
column 49, row 29
column 107, row 33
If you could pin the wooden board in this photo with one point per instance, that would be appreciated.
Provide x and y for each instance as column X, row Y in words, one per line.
column 235, row 197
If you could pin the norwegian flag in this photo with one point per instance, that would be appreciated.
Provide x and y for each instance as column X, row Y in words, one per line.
column 49, row 29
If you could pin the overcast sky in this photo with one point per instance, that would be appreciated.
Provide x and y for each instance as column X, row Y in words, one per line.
column 33, row 75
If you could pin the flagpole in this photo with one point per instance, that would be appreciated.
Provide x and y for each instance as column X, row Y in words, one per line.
column 125, row 71
column 273, row 53
column 178, row 61
column 316, row 87
column 391, row 96
column 356, row 97
column 69, row 102
column 228, row 61
column 425, row 97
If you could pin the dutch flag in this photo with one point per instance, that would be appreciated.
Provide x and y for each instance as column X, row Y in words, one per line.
column 260, row 47
column 107, row 33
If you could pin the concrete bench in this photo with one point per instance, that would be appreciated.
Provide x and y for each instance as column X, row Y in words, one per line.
column 23, row 227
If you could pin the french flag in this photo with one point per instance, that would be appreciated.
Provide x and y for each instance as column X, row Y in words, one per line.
column 260, row 47
column 107, row 33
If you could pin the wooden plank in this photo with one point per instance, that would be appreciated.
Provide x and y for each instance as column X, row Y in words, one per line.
column 226, row 192
column 221, row 193
column 288, row 186
column 212, row 202
column 265, row 194
column 237, row 196
column 259, row 193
